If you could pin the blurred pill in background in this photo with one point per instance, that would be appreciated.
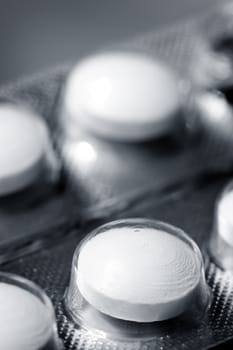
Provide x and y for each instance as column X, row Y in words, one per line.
column 129, row 121
column 27, row 319
column 136, row 270
column 212, row 63
column 221, row 241
column 24, row 145
column 124, row 96
column 215, row 116
column 122, row 124
column 214, row 120
column 225, row 219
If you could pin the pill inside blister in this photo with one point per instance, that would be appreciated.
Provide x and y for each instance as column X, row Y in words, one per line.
column 126, row 96
column 211, row 62
column 27, row 319
column 24, row 145
column 136, row 270
column 221, row 240
column 216, row 116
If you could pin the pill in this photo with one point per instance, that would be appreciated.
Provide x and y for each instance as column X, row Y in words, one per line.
column 23, row 139
column 138, row 274
column 25, row 322
column 124, row 96
column 224, row 217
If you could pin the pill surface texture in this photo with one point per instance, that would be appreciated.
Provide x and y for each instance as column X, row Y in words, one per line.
column 141, row 274
column 25, row 323
column 123, row 96
column 23, row 138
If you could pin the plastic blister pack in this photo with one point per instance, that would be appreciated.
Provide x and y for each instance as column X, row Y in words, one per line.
column 211, row 65
column 32, row 188
column 110, row 190
column 109, row 172
column 142, row 294
column 27, row 316
column 50, row 268
column 220, row 245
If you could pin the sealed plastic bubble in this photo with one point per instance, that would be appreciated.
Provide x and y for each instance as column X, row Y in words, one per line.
column 27, row 159
column 136, row 279
column 30, row 176
column 212, row 61
column 221, row 240
column 125, row 96
column 26, row 316
column 215, row 117
column 108, row 162
column 23, row 139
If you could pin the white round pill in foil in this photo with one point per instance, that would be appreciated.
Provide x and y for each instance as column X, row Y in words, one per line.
column 123, row 95
column 225, row 217
column 25, row 323
column 23, row 140
column 141, row 275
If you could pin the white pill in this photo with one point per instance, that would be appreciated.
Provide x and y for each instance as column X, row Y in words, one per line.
column 225, row 218
column 23, row 140
column 124, row 96
column 141, row 275
column 25, row 323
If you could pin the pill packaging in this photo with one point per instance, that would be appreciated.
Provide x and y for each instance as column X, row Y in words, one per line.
column 41, row 236
column 29, row 312
column 138, row 301
column 31, row 209
column 214, row 49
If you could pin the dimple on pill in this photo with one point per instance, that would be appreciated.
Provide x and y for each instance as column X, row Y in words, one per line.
column 23, row 141
column 126, row 96
column 139, row 272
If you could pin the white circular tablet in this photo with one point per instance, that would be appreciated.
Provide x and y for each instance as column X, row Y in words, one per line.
column 23, row 140
column 125, row 96
column 25, row 323
column 225, row 218
column 138, row 274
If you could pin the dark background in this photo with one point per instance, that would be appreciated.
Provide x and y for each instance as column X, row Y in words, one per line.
column 38, row 34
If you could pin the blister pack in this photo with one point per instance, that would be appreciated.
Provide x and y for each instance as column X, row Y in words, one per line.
column 173, row 179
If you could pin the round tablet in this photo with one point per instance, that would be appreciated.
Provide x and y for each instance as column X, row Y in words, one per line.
column 224, row 217
column 23, row 139
column 138, row 274
column 25, row 322
column 124, row 96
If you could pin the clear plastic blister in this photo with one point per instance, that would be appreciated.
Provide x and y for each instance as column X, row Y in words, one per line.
column 106, row 173
column 212, row 64
column 31, row 180
column 221, row 241
column 192, row 308
column 25, row 297
column 40, row 167
column 104, row 169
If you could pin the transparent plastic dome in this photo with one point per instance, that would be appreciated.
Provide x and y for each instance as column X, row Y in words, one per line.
column 136, row 278
column 221, row 240
column 212, row 63
column 27, row 316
